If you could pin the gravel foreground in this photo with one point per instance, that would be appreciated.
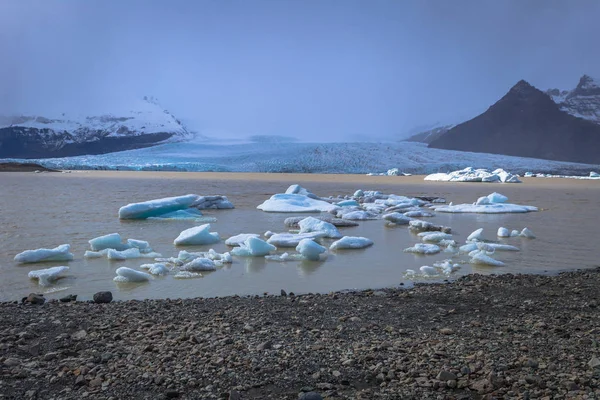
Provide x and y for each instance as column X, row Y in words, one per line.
column 480, row 337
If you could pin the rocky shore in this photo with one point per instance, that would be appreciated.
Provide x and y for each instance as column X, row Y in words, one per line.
column 480, row 337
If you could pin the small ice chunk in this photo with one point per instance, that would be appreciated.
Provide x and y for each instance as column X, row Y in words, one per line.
column 268, row 234
column 154, row 208
column 253, row 247
column 358, row 215
column 297, row 189
column 423, row 248
column 497, row 198
column 434, row 237
column 237, row 240
column 96, row 254
column 199, row 264
column 467, row 248
column 187, row 214
column 140, row 244
column 418, row 214
column 113, row 254
column 285, row 257
column 410, row 273
column 351, row 242
column 59, row 253
column 503, row 232
column 358, row 193
column 476, row 236
column 197, row 235
column 397, row 218
column 482, row 258
column 110, row 241
column 348, row 203
column 310, row 249
column 502, row 247
column 311, row 224
column 292, row 239
column 295, row 203
column 156, row 269
column 428, row 271
column 125, row 274
column 187, row 275
column 47, row 276
column 483, row 201
column 527, row 233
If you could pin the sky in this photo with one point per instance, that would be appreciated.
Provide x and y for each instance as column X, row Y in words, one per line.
column 324, row 70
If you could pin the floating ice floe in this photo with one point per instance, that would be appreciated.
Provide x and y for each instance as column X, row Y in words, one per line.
column 424, row 226
column 156, row 268
column 198, row 235
column 487, row 205
column 423, row 248
column 434, row 237
column 297, row 189
column 503, row 232
column 480, row 257
column 110, row 241
column 59, row 253
column 199, row 264
column 471, row 174
column 237, row 240
column 128, row 254
column 440, row 268
column 184, row 257
column 527, row 233
column 397, row 218
column 310, row 224
column 191, row 214
column 347, row 203
column 310, row 249
column 357, row 215
column 476, row 236
column 292, row 239
column 351, row 242
column 167, row 205
column 418, row 214
column 292, row 222
column 187, row 275
column 592, row 176
column 125, row 274
column 253, row 247
column 48, row 276
column 295, row 203
column 285, row 257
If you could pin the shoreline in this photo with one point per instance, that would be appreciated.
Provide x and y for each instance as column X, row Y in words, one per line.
column 481, row 336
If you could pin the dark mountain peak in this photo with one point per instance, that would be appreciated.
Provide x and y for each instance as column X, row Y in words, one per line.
column 523, row 88
column 524, row 93
column 587, row 86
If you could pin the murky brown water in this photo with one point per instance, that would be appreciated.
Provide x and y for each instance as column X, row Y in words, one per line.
column 45, row 210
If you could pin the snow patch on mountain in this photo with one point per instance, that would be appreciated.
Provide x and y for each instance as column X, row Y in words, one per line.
column 582, row 102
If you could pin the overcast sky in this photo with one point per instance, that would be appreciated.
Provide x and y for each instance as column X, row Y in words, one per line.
column 322, row 69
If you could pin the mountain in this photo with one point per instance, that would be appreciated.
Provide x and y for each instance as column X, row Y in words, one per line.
column 527, row 122
column 145, row 124
column 429, row 135
column 582, row 102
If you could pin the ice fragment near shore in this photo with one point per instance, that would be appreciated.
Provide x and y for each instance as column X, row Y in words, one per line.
column 295, row 203
column 351, row 242
column 139, row 244
column 48, row 276
column 187, row 275
column 285, row 257
column 125, row 274
column 292, row 239
column 311, row 224
column 123, row 255
column 110, row 241
column 59, row 253
column 471, row 174
column 397, row 218
column 423, row 248
column 198, row 235
column 527, row 233
column 237, row 240
column 253, row 247
column 297, row 189
column 156, row 269
column 480, row 257
column 476, row 236
column 310, row 250
column 158, row 207
column 494, row 203
column 434, row 237
column 503, row 232
column 199, row 264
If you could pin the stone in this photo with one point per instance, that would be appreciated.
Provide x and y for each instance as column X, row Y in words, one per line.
column 283, row 293
column 446, row 331
column 482, row 386
column 235, row 395
column 264, row 346
column 445, row 376
column 79, row 335
column 34, row 298
column 594, row 362
column 172, row 394
column 96, row 382
column 310, row 396
column 12, row 362
column 103, row 297
column 249, row 328
column 69, row 298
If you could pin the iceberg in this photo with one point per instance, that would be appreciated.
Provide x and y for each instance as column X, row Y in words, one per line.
column 348, row 203
column 142, row 245
column 434, row 237
column 424, row 226
column 110, row 241
column 253, row 247
column 428, row 271
column 351, row 242
column 197, row 235
column 165, row 207
column 59, row 253
column 47, row 276
column 418, row 214
column 503, row 232
column 292, row 222
column 156, row 269
column 397, row 219
column 237, row 240
column 199, row 264
column 358, row 215
column 479, row 257
column 471, row 174
column 310, row 250
column 297, row 189
column 187, row 275
column 125, row 274
column 292, row 239
column 527, row 233
column 485, row 206
column 285, row 257
column 113, row 254
column 423, row 248
column 497, row 198
column 96, row 254
column 191, row 214
column 311, row 224
column 154, row 208
column 295, row 203
column 476, row 236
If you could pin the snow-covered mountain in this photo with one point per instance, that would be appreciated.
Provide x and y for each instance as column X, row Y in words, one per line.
column 582, row 102
column 144, row 124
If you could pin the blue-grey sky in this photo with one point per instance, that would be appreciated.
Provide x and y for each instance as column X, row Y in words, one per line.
column 322, row 69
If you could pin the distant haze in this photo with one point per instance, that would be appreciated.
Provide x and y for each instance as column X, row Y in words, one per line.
column 314, row 69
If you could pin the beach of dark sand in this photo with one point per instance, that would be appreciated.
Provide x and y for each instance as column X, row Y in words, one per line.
column 497, row 336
